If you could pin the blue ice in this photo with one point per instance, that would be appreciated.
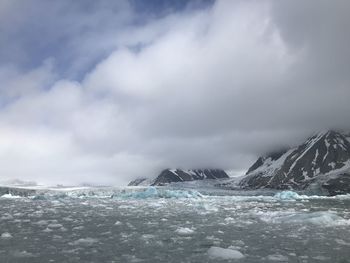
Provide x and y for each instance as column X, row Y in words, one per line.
column 287, row 196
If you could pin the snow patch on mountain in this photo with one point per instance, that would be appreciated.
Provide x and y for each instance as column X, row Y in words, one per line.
column 322, row 157
column 179, row 175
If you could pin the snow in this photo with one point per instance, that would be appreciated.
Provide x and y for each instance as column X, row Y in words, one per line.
column 309, row 145
column 224, row 253
column 191, row 172
column 184, row 231
column 174, row 171
column 269, row 167
column 317, row 171
column 332, row 164
column 316, row 156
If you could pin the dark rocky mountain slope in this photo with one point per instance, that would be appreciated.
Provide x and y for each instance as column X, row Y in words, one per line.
column 322, row 161
column 178, row 175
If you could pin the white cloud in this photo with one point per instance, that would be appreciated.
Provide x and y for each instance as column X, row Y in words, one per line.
column 208, row 88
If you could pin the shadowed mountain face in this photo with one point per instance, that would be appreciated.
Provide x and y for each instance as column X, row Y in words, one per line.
column 177, row 175
column 323, row 158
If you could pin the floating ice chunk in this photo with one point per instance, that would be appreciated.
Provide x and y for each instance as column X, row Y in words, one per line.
column 41, row 223
column 292, row 196
column 77, row 228
column 148, row 236
column 6, row 216
column 84, row 241
column 287, row 196
column 10, row 196
column 324, row 218
column 117, row 223
column 321, row 258
column 341, row 242
column 6, row 235
column 55, row 225
column 184, row 231
column 22, row 254
column 224, row 253
column 277, row 257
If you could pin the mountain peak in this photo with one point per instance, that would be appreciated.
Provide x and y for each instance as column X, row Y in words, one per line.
column 179, row 175
column 320, row 154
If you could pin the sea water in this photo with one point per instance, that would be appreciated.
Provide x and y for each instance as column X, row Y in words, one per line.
column 173, row 225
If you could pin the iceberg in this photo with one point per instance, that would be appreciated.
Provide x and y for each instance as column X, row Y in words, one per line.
column 287, row 196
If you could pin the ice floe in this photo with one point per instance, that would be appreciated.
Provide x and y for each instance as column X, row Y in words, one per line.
column 184, row 231
column 321, row 218
column 84, row 241
column 277, row 257
column 6, row 235
column 10, row 196
column 224, row 253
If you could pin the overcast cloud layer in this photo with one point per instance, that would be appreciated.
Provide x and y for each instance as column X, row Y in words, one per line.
column 109, row 91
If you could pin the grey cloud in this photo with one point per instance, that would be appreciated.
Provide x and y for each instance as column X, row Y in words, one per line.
column 211, row 87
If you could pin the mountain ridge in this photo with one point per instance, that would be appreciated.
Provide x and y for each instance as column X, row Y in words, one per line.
column 179, row 175
column 299, row 167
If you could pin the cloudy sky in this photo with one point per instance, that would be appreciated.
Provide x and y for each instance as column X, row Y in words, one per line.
column 106, row 91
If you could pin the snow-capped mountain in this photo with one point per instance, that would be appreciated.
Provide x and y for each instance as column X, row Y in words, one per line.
column 178, row 175
column 323, row 160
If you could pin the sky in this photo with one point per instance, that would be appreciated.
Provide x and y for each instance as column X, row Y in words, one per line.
column 103, row 92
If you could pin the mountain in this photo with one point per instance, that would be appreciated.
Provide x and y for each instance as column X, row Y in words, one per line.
column 178, row 175
column 322, row 161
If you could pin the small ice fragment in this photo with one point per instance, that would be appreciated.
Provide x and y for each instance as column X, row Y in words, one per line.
column 22, row 254
column 224, row 253
column 84, row 241
column 277, row 257
column 184, row 231
column 6, row 235
column 55, row 226
column 41, row 223
column 117, row 223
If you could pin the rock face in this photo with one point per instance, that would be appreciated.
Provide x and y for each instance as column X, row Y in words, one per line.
column 324, row 159
column 140, row 182
column 177, row 175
